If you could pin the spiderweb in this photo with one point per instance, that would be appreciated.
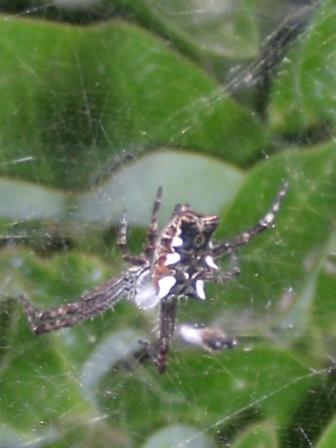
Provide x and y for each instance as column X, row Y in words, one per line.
column 219, row 102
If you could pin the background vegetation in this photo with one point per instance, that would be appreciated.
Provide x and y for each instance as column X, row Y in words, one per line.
column 220, row 103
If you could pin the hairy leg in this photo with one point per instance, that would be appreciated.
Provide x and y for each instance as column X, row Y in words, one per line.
column 167, row 327
column 123, row 246
column 265, row 223
column 88, row 305
column 152, row 233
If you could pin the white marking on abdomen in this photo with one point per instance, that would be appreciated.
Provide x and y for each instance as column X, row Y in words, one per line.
column 165, row 285
column 177, row 241
column 191, row 334
column 210, row 262
column 200, row 289
column 172, row 258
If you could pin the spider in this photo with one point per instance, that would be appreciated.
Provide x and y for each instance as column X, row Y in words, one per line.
column 175, row 262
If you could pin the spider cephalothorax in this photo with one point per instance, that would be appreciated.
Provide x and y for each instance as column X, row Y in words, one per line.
column 176, row 262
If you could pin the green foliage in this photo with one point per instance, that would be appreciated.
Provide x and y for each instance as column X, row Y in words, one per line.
column 92, row 120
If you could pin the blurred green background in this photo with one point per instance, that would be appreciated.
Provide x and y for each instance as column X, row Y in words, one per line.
column 220, row 102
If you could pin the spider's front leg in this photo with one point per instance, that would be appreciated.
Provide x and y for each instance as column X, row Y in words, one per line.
column 152, row 233
column 123, row 246
column 265, row 223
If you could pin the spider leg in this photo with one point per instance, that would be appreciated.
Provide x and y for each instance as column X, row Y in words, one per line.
column 265, row 223
column 68, row 315
column 32, row 313
column 167, row 328
column 46, row 321
column 122, row 243
column 152, row 233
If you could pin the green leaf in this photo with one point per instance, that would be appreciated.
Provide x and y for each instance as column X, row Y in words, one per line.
column 318, row 65
column 258, row 435
column 178, row 172
column 176, row 435
column 35, row 376
column 267, row 379
column 87, row 106
column 328, row 439
column 324, row 308
column 287, row 110
column 278, row 268
column 324, row 303
column 206, row 391
column 39, row 376
column 219, row 30
column 303, row 94
column 21, row 200
column 68, row 113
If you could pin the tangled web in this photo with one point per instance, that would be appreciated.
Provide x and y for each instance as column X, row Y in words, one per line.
column 220, row 103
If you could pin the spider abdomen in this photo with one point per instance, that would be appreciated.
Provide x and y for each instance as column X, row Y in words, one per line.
column 183, row 254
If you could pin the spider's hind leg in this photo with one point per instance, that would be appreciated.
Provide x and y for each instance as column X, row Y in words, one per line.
column 44, row 321
column 33, row 314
